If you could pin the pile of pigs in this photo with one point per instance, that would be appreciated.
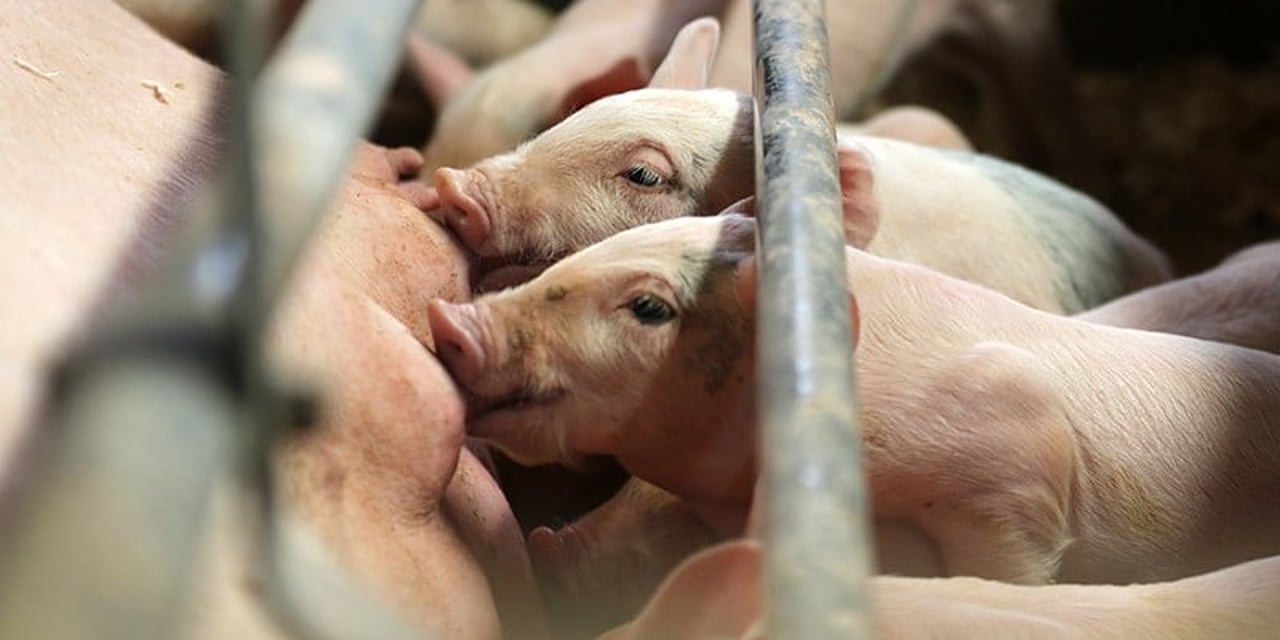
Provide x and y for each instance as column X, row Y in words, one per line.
column 1016, row 427
column 1060, row 439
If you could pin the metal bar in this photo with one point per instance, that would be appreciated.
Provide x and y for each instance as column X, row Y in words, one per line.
column 100, row 543
column 815, row 502
column 317, row 97
column 313, row 103
column 99, row 540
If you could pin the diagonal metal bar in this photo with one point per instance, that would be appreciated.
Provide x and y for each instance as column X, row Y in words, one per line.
column 99, row 540
column 815, row 502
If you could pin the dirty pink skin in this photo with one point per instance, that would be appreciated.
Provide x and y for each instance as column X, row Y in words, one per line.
column 1125, row 455
column 382, row 479
column 676, row 150
column 1235, row 302
column 595, row 48
column 719, row 594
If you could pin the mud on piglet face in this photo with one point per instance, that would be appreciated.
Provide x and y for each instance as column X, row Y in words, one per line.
column 568, row 363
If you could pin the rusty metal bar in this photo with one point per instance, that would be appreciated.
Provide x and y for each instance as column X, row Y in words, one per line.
column 817, row 544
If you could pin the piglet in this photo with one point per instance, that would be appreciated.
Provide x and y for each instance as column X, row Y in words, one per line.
column 1235, row 302
column 661, row 153
column 1025, row 446
column 719, row 594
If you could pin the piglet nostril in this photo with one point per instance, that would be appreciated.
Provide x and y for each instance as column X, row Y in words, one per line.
column 454, row 330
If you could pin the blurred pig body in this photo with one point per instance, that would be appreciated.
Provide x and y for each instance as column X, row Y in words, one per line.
column 600, row 47
column 1236, row 302
column 595, row 48
column 1024, row 446
column 720, row 594
column 484, row 31
column 656, row 154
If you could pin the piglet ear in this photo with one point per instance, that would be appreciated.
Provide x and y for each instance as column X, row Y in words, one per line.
column 688, row 62
column 861, row 216
column 716, row 593
column 440, row 72
column 744, row 207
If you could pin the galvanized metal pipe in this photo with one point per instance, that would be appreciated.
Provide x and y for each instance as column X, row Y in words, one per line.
column 816, row 538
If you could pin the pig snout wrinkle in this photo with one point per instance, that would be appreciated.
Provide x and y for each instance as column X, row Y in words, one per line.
column 461, row 210
column 457, row 342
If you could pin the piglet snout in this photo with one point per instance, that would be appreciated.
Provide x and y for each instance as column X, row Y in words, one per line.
column 456, row 332
column 461, row 209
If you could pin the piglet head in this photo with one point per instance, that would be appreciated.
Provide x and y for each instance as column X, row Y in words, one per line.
column 623, row 161
column 672, row 149
column 618, row 349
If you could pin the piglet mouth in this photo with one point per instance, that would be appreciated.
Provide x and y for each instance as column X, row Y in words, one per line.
column 480, row 407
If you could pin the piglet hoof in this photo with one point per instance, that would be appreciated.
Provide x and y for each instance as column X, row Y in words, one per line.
column 580, row 604
column 552, row 553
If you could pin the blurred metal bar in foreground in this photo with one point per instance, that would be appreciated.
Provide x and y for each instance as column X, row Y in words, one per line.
column 815, row 502
column 306, row 114
column 316, row 99
column 100, row 543
column 99, row 540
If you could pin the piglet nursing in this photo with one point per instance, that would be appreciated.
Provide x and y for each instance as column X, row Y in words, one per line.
column 676, row 149
column 1024, row 446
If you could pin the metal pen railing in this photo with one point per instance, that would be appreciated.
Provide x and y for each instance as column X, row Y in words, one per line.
column 816, row 540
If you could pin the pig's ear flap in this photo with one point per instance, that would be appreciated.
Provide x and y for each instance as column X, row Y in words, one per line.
column 746, row 275
column 716, row 593
column 625, row 74
column 745, row 207
column 861, row 216
column 688, row 62
column 440, row 72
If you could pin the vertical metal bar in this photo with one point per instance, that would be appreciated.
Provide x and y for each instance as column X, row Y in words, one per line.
column 815, row 502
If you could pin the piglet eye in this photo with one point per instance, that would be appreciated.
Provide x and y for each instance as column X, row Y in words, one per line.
column 643, row 176
column 650, row 309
